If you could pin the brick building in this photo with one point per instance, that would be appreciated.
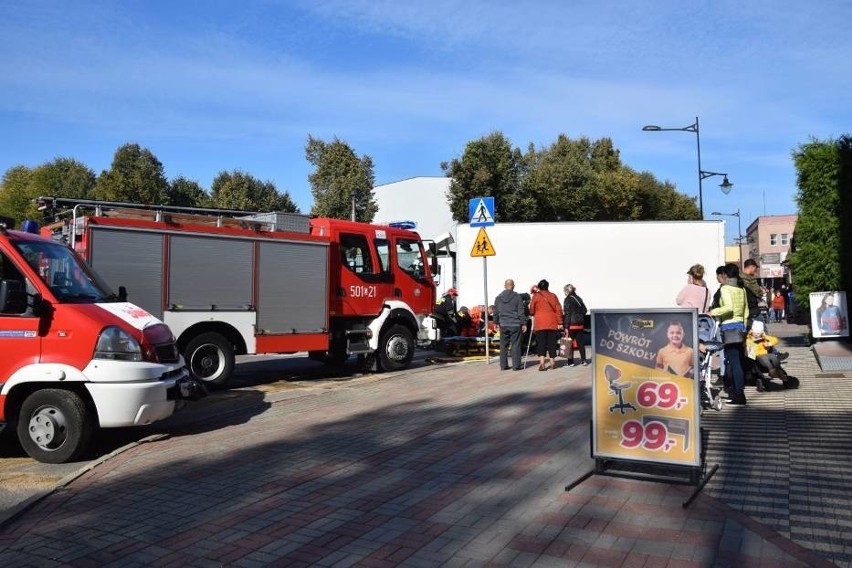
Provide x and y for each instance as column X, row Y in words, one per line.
column 768, row 240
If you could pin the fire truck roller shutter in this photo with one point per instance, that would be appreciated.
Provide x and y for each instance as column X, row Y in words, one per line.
column 293, row 287
column 210, row 271
column 132, row 259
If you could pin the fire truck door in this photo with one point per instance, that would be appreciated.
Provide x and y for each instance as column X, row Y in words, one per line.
column 20, row 343
column 365, row 282
column 412, row 284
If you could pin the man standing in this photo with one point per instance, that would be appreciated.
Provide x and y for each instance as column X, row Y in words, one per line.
column 754, row 294
column 510, row 316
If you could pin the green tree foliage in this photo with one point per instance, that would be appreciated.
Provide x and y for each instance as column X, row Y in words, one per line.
column 340, row 177
column 844, row 212
column 62, row 177
column 564, row 180
column 570, row 180
column 135, row 176
column 16, row 196
column 662, row 202
column 184, row 192
column 489, row 166
column 239, row 190
column 824, row 182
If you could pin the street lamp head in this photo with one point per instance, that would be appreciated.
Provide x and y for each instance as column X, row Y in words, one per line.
column 726, row 185
column 651, row 128
column 716, row 213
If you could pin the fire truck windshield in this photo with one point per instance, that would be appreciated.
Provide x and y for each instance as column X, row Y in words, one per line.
column 409, row 257
column 70, row 279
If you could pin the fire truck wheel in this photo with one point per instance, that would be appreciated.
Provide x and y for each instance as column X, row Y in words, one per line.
column 396, row 348
column 53, row 425
column 210, row 357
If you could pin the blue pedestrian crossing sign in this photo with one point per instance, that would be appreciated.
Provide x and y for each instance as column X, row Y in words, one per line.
column 481, row 212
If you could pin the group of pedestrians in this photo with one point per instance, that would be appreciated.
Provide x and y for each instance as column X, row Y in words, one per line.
column 738, row 305
column 550, row 321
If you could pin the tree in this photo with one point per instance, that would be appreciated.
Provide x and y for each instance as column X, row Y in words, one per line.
column 662, row 201
column 489, row 167
column 61, row 177
column 241, row 191
column 15, row 195
column 135, row 176
column 824, row 179
column 340, row 179
column 570, row 180
column 184, row 192
column 563, row 181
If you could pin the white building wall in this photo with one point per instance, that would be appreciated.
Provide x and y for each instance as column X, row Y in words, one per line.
column 619, row 264
column 419, row 199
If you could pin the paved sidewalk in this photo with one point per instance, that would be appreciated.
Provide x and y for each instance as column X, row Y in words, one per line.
column 456, row 465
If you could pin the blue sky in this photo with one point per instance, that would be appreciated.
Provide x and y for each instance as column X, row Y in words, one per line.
column 221, row 85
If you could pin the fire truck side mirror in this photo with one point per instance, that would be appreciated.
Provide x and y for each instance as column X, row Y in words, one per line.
column 122, row 294
column 433, row 259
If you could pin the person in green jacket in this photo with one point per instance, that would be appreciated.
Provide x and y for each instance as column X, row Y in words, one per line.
column 733, row 314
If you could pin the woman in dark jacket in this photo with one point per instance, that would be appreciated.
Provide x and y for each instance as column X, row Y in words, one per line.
column 574, row 311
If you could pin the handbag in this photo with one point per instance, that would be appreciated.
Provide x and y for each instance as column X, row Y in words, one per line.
column 730, row 336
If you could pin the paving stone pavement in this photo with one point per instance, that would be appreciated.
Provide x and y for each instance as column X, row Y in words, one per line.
column 456, row 465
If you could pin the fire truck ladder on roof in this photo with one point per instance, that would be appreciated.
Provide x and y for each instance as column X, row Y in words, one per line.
column 235, row 218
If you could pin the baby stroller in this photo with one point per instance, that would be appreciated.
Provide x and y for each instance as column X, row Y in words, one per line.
column 709, row 346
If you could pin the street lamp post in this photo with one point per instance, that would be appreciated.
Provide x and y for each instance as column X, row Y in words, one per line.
column 702, row 175
column 739, row 223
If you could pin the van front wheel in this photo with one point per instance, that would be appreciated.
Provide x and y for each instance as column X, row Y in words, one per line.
column 53, row 426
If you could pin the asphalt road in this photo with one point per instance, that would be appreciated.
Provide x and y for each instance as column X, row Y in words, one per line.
column 22, row 479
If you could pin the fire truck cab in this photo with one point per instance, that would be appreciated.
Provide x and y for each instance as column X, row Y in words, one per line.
column 380, row 292
column 73, row 356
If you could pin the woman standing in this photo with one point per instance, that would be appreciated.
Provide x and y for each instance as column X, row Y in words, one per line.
column 695, row 294
column 778, row 305
column 574, row 311
column 733, row 313
column 547, row 319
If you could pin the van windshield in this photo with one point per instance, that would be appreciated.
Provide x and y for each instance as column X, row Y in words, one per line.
column 69, row 278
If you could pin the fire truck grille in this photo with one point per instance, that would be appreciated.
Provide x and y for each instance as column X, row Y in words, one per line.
column 167, row 353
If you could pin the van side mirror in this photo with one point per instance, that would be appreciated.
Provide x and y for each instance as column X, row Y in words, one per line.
column 13, row 298
column 122, row 294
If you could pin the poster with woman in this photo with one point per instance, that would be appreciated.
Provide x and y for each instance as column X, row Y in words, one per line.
column 829, row 317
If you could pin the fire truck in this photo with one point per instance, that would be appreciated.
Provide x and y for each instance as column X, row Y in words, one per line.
column 231, row 282
column 73, row 357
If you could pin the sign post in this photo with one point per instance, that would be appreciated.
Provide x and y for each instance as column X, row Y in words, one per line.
column 481, row 214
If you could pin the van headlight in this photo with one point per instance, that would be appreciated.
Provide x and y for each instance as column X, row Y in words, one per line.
column 115, row 344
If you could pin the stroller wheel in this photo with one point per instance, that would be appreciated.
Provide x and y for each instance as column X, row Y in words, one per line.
column 791, row 383
column 761, row 386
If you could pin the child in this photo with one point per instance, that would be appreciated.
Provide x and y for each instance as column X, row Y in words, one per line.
column 675, row 357
column 760, row 347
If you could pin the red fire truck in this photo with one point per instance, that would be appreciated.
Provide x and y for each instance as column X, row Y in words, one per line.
column 230, row 283
column 73, row 357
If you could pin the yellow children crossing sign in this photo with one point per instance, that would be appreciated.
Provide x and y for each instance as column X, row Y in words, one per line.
column 482, row 245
